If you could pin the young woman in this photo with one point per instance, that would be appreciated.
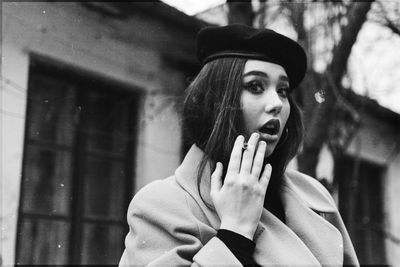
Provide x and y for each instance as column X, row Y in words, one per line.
column 232, row 201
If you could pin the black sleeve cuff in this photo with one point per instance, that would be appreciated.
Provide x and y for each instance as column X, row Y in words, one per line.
column 240, row 246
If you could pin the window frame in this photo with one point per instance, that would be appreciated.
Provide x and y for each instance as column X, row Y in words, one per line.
column 354, row 189
column 44, row 64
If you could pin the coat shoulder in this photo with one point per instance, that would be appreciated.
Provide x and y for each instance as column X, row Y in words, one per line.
column 160, row 194
column 163, row 230
column 311, row 191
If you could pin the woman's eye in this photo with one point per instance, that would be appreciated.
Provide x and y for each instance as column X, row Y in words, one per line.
column 254, row 87
column 283, row 92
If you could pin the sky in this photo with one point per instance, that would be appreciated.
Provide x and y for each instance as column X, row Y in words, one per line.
column 374, row 64
column 192, row 7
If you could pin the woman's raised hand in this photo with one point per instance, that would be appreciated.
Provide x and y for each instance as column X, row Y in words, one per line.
column 239, row 200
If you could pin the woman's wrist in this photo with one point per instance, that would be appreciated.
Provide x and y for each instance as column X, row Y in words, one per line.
column 246, row 231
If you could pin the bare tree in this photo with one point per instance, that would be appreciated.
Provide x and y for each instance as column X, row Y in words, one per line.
column 240, row 12
column 322, row 115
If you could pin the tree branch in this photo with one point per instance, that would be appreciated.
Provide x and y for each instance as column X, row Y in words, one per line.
column 240, row 12
column 357, row 16
column 317, row 132
column 387, row 21
column 390, row 24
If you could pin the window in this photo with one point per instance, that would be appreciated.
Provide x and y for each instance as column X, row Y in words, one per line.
column 361, row 205
column 77, row 176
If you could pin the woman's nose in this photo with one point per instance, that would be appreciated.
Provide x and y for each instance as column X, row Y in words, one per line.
column 273, row 103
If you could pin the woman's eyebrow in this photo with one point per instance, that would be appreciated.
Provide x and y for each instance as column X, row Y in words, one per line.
column 257, row 73
column 283, row 78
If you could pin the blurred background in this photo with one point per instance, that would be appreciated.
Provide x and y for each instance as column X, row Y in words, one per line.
column 90, row 100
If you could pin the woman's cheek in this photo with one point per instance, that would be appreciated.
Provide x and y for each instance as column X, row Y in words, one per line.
column 286, row 114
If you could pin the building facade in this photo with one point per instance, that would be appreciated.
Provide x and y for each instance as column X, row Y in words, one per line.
column 89, row 115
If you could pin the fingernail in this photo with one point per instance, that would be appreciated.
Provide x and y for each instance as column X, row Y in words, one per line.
column 256, row 135
column 268, row 166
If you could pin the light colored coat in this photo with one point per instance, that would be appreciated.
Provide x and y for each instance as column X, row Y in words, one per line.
column 171, row 225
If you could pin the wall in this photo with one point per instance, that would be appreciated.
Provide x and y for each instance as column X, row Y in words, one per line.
column 118, row 49
column 392, row 208
column 378, row 141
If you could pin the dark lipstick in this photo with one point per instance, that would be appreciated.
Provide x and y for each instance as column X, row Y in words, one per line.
column 272, row 127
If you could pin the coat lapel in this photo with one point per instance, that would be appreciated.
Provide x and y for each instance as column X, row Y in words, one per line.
column 305, row 239
column 305, row 218
column 278, row 245
column 186, row 175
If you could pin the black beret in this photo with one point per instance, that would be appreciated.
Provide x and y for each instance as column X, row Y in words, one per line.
column 238, row 40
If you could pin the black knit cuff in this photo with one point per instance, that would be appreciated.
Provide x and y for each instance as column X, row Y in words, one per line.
column 240, row 246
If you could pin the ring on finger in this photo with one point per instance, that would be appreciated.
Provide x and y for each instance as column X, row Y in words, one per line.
column 244, row 145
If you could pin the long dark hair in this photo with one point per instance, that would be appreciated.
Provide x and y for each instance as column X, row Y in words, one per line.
column 212, row 118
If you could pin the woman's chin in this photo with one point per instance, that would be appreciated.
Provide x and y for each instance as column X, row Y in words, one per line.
column 270, row 149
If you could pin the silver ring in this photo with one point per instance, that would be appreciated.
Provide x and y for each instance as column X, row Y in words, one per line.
column 244, row 146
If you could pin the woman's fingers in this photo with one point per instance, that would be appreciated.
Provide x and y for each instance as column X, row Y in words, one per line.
column 248, row 154
column 236, row 156
column 216, row 181
column 258, row 159
column 239, row 200
column 266, row 176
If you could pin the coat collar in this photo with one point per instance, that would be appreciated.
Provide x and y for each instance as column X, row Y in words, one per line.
column 186, row 175
column 306, row 188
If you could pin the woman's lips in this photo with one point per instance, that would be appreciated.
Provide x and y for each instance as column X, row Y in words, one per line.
column 270, row 130
column 269, row 138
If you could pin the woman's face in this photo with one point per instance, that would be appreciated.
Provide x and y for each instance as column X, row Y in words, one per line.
column 264, row 101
